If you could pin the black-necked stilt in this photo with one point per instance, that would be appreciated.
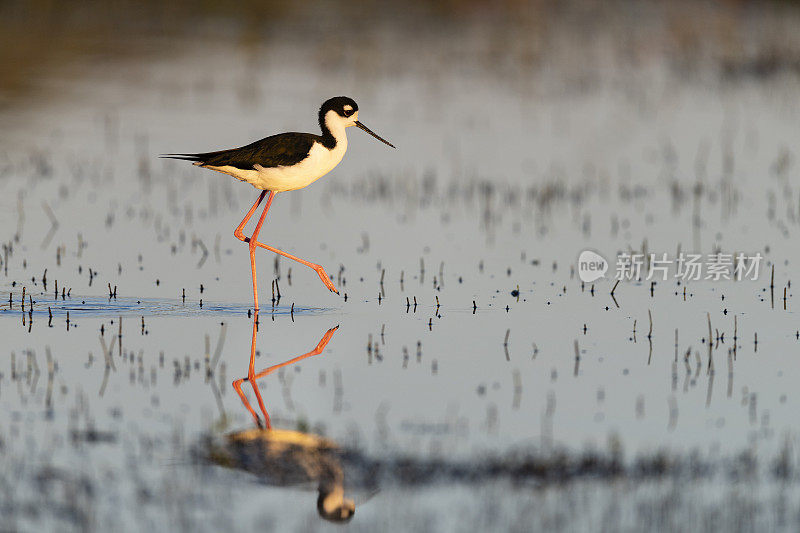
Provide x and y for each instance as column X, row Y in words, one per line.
column 286, row 162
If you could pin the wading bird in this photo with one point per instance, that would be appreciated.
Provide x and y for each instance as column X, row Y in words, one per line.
column 286, row 162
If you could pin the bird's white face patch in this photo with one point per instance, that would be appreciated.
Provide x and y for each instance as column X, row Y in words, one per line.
column 348, row 107
column 334, row 120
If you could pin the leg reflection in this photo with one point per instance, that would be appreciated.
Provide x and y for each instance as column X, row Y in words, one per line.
column 285, row 457
column 252, row 377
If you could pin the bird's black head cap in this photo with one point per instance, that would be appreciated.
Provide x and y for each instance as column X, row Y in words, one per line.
column 342, row 105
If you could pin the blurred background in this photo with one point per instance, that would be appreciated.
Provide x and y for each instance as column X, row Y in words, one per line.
column 570, row 45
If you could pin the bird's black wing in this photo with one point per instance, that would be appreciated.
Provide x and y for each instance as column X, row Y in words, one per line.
column 284, row 149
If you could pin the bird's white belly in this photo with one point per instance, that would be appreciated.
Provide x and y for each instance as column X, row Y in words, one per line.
column 319, row 162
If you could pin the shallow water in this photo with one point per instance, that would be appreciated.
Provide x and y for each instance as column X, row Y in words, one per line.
column 457, row 339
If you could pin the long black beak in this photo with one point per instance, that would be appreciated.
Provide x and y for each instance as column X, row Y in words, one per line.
column 363, row 127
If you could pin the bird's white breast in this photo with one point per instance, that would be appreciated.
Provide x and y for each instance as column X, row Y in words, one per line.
column 320, row 161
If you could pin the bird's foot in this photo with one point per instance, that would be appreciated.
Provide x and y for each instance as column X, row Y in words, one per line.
column 325, row 339
column 325, row 279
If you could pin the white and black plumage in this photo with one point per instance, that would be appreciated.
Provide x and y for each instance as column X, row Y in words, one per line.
column 286, row 162
column 289, row 161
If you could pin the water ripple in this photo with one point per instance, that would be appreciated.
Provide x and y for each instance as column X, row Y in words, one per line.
column 91, row 306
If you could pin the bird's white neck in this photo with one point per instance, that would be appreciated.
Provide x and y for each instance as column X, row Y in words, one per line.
column 337, row 127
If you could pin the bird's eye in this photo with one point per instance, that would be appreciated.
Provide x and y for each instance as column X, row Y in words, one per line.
column 348, row 110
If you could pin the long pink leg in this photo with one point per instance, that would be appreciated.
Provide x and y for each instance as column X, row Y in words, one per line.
column 253, row 241
column 252, row 245
column 238, row 231
column 239, row 235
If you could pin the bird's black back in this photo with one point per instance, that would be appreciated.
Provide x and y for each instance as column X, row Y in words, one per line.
column 283, row 149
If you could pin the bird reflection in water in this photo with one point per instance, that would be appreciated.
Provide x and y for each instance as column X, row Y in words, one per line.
column 285, row 457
